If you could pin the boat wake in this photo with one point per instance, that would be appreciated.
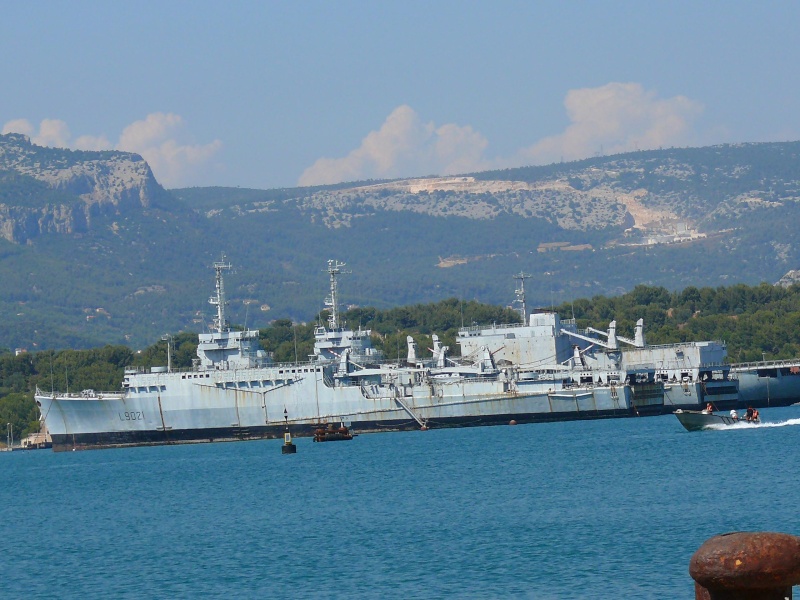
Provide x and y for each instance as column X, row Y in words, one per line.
column 745, row 425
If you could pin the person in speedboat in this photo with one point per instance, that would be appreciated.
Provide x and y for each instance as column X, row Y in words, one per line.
column 734, row 414
column 709, row 409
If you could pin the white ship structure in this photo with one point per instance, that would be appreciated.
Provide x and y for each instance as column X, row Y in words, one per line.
column 693, row 373
column 234, row 391
column 665, row 377
column 544, row 369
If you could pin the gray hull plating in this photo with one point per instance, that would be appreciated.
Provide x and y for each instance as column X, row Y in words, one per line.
column 769, row 383
column 186, row 410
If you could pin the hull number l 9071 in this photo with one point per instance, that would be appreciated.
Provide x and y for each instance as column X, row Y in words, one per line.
column 131, row 416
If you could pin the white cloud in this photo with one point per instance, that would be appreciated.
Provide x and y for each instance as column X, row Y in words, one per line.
column 156, row 139
column 92, row 142
column 153, row 130
column 22, row 126
column 616, row 117
column 51, row 132
column 402, row 147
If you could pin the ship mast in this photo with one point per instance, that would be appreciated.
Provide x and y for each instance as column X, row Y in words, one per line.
column 219, row 299
column 520, row 292
column 332, row 301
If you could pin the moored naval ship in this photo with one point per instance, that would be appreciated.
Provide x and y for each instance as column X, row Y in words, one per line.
column 665, row 377
column 768, row 383
column 693, row 373
column 234, row 391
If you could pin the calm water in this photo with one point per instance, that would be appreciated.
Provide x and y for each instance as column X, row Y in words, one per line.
column 610, row 509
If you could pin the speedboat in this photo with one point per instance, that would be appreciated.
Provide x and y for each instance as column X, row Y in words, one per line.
column 697, row 420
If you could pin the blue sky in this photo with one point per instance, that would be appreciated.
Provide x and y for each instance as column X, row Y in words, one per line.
column 273, row 94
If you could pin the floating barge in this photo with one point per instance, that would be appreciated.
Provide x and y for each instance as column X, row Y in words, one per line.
column 332, row 434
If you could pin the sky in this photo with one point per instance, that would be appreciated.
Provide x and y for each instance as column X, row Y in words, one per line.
column 275, row 94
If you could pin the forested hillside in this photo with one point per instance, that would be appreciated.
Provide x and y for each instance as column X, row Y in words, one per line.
column 93, row 251
column 756, row 322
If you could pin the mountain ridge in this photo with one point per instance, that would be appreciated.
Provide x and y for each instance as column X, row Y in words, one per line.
column 86, row 184
column 109, row 256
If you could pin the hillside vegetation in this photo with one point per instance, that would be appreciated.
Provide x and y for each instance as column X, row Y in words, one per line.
column 94, row 251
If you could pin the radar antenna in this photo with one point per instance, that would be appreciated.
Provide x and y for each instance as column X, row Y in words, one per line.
column 218, row 300
column 332, row 301
column 520, row 292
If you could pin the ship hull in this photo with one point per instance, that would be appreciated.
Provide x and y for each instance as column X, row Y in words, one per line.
column 763, row 385
column 120, row 439
column 694, row 395
column 182, row 411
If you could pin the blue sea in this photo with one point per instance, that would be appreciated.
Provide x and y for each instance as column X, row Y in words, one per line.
column 589, row 509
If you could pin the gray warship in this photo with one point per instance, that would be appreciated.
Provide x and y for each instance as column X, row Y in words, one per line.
column 768, row 383
column 235, row 392
column 664, row 377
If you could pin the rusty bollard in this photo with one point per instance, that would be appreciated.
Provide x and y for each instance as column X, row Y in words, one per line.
column 746, row 566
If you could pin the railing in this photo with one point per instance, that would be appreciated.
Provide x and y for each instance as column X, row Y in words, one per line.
column 676, row 365
column 565, row 323
column 492, row 326
column 82, row 394
column 668, row 346
column 787, row 362
column 197, row 369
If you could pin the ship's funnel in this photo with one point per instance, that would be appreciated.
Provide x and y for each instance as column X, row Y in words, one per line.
column 486, row 363
column 344, row 361
column 612, row 336
column 439, row 351
column 638, row 338
column 412, row 350
column 440, row 360
column 577, row 358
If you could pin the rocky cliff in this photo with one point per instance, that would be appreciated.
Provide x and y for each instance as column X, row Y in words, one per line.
column 655, row 194
column 554, row 201
column 74, row 187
